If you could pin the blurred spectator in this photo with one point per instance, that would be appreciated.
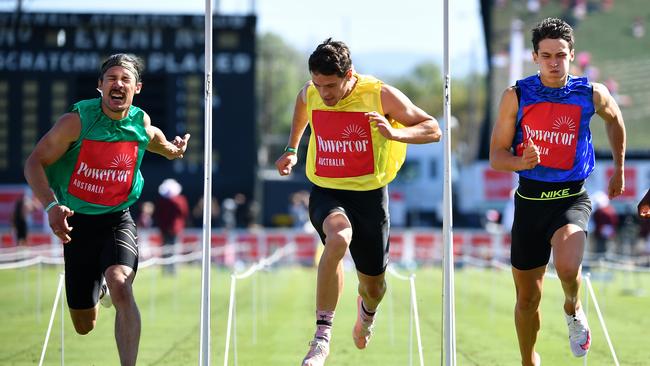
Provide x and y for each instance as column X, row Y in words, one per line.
column 607, row 5
column 244, row 216
column 622, row 99
column 509, row 212
column 580, row 9
column 643, row 244
column 533, row 6
column 605, row 220
column 171, row 214
column 254, row 210
column 22, row 208
column 299, row 209
column 612, row 85
column 638, row 28
column 584, row 59
column 491, row 221
column 215, row 212
column 145, row 218
column 492, row 224
column 229, row 208
column 628, row 232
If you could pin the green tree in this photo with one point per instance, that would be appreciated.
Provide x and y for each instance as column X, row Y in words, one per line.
column 281, row 72
column 424, row 86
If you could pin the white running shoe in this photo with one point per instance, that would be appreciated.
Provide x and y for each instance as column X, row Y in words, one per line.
column 319, row 349
column 363, row 327
column 579, row 333
column 105, row 296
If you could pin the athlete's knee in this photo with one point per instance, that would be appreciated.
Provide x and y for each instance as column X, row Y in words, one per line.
column 121, row 293
column 119, row 284
column 337, row 228
column 375, row 291
column 528, row 301
column 337, row 243
column 567, row 273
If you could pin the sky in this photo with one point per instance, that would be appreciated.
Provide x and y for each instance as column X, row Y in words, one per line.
column 384, row 36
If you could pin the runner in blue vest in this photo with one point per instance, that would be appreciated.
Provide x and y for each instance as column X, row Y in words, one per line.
column 542, row 133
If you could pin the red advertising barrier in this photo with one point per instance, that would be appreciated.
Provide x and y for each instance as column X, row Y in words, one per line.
column 421, row 246
column 396, row 249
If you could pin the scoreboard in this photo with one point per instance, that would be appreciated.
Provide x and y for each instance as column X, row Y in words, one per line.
column 48, row 61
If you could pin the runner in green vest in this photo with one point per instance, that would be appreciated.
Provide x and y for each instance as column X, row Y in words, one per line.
column 86, row 171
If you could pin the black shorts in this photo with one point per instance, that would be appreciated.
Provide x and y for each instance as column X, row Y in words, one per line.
column 368, row 214
column 98, row 242
column 541, row 208
column 21, row 230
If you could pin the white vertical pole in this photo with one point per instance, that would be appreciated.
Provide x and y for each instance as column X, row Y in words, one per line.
column 449, row 331
column 62, row 331
column 204, row 351
column 416, row 317
column 53, row 314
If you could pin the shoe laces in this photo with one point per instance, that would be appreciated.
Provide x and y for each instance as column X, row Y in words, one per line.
column 367, row 327
column 318, row 348
column 577, row 329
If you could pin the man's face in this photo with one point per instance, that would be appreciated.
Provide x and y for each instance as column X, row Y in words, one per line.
column 118, row 86
column 553, row 57
column 331, row 88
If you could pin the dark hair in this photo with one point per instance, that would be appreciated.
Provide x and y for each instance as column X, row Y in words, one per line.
column 130, row 62
column 552, row 28
column 329, row 58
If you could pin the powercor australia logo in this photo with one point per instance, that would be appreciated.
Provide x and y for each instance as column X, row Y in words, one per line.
column 119, row 170
column 353, row 140
column 104, row 171
column 563, row 133
column 554, row 128
column 342, row 143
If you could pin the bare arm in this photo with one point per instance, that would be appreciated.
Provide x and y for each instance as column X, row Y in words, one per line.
column 47, row 151
column 501, row 157
column 644, row 206
column 285, row 163
column 158, row 142
column 420, row 128
column 607, row 108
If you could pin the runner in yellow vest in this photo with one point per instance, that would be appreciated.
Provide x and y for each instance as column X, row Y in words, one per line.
column 360, row 128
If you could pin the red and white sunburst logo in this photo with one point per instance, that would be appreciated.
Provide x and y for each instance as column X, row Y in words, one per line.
column 104, row 172
column 554, row 128
column 563, row 123
column 352, row 131
column 122, row 161
column 343, row 144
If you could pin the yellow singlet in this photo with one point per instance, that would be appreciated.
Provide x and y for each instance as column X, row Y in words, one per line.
column 345, row 150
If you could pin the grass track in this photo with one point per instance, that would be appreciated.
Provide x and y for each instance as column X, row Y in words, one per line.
column 283, row 300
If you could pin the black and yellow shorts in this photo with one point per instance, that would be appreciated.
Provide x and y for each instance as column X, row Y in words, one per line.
column 368, row 214
column 541, row 208
column 98, row 242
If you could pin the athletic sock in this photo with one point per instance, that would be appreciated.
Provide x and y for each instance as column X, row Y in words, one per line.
column 324, row 321
column 367, row 315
